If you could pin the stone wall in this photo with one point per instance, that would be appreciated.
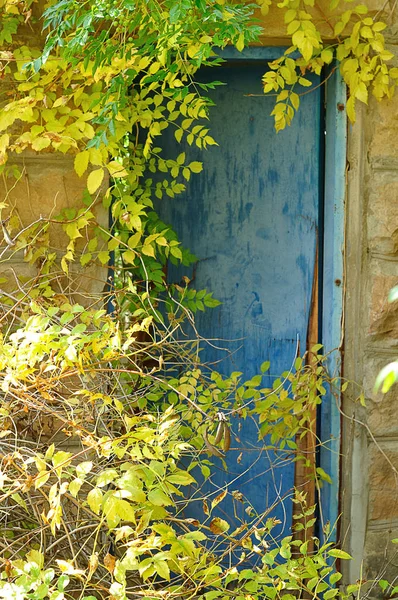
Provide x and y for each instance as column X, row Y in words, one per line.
column 47, row 184
column 370, row 435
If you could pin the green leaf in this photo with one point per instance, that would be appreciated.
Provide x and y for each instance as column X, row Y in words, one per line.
column 387, row 377
column 74, row 486
column 85, row 259
column 336, row 553
column 393, row 295
column 323, row 475
column 159, row 498
column 181, row 478
column 61, row 458
column 103, row 257
column 335, row 577
column 162, row 569
column 94, row 500
column 176, row 252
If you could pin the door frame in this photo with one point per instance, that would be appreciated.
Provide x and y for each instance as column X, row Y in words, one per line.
column 331, row 276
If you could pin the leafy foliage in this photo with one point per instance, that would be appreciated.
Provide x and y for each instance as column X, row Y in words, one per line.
column 110, row 420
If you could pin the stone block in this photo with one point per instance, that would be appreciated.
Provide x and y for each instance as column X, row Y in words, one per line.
column 324, row 18
column 380, row 562
column 382, row 118
column 383, row 481
column 48, row 184
column 382, row 216
column 381, row 409
column 383, row 315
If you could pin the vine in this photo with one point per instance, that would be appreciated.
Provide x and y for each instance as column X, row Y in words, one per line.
column 103, row 409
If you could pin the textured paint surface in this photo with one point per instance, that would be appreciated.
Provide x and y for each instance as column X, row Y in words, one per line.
column 251, row 219
column 333, row 284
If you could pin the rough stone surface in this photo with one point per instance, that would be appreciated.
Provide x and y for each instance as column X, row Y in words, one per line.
column 383, row 315
column 47, row 185
column 383, row 213
column 383, row 474
column 381, row 408
column 372, row 272
column 384, row 121
column 275, row 29
column 380, row 553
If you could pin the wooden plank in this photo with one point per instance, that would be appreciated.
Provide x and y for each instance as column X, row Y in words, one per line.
column 332, row 290
column 304, row 479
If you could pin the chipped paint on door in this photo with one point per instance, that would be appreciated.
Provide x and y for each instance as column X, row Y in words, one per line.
column 251, row 218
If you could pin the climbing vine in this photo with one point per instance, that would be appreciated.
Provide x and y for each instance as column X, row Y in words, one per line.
column 110, row 421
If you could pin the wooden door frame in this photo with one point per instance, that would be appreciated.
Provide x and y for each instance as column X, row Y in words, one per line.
column 331, row 265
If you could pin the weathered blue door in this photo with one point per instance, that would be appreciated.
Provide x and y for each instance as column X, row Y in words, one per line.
column 251, row 218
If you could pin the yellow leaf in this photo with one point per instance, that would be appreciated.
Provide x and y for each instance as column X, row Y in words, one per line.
column 40, row 143
column 60, row 101
column 351, row 109
column 96, row 157
column 116, row 169
column 129, row 256
column 81, row 162
column 240, row 44
column 41, row 479
column 193, row 50
column 338, row 28
column 305, row 82
column 148, row 250
column 218, row 499
column 103, row 257
column 94, row 180
column 219, row 526
column 362, row 93
column 195, row 166
column 4, row 141
column 66, row 566
column 327, row 55
column 154, row 68
column 109, row 562
column 144, row 62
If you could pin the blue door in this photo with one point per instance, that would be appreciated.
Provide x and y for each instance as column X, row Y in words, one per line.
column 251, row 217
